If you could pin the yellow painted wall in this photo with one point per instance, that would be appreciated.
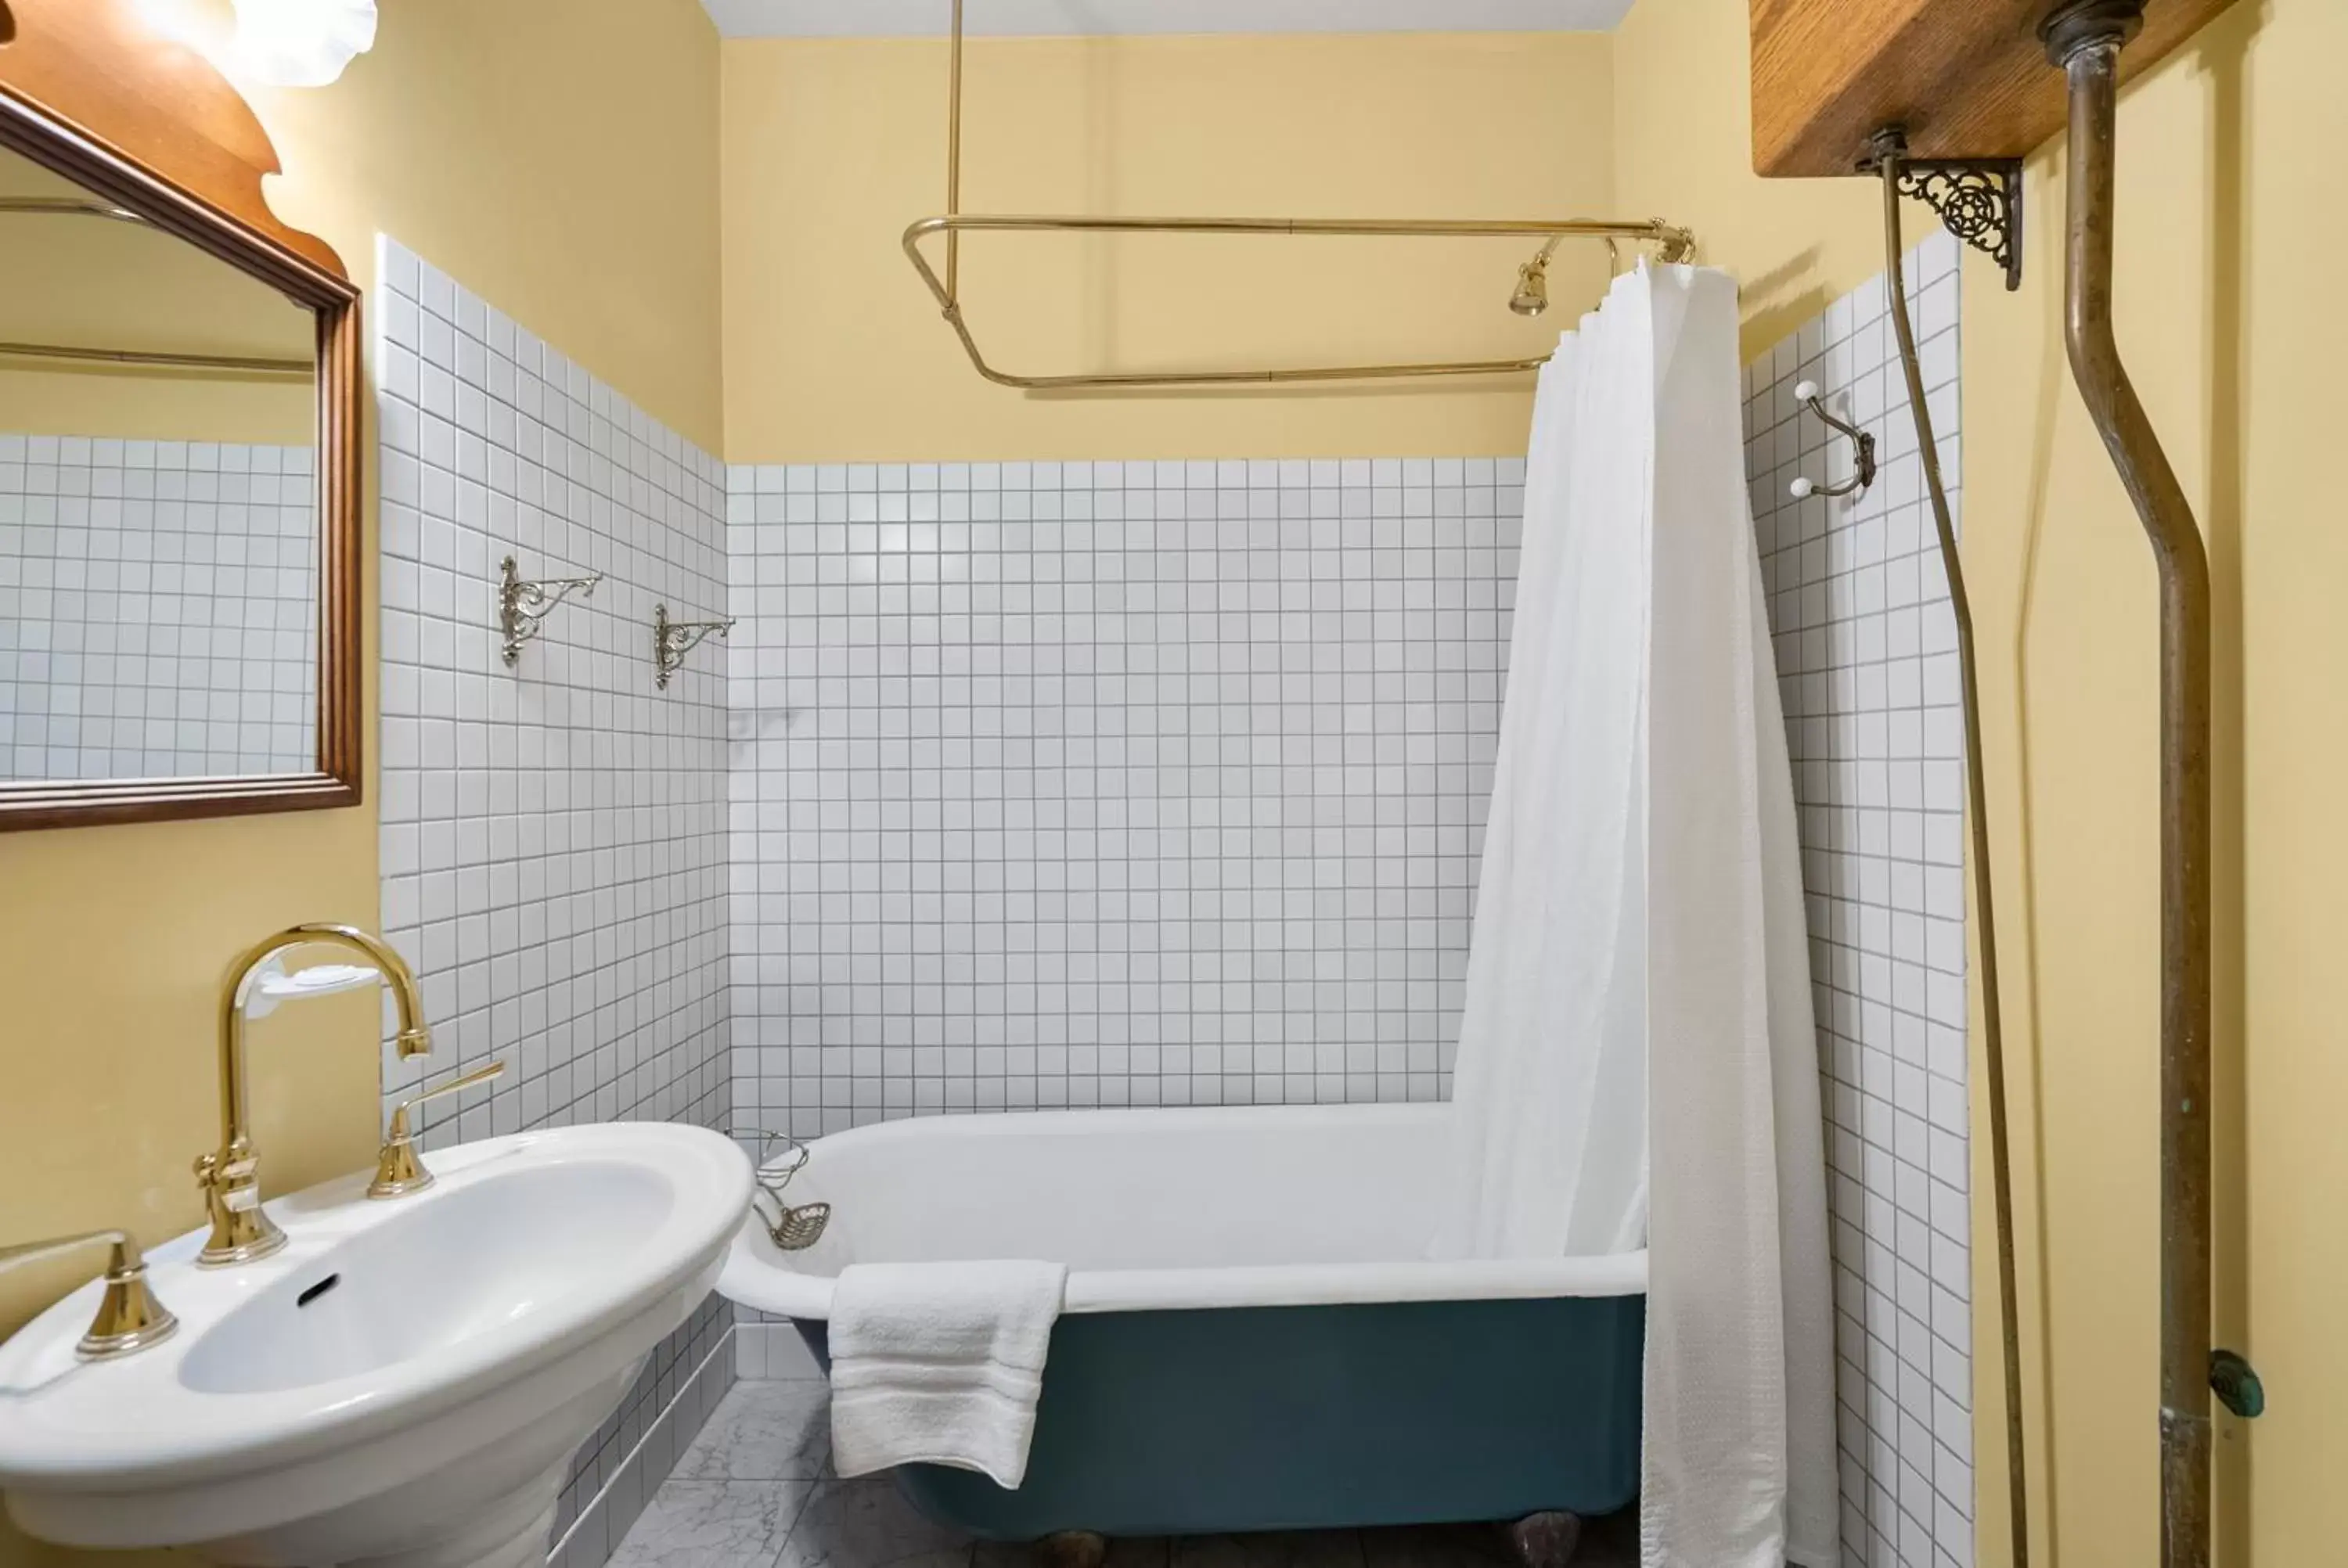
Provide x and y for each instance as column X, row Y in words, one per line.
column 555, row 167
column 1683, row 148
column 102, row 401
column 2225, row 238
column 560, row 156
column 835, row 351
column 90, row 282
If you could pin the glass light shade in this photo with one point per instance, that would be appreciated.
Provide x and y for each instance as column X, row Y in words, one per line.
column 301, row 43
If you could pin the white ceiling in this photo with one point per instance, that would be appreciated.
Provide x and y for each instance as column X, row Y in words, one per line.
column 927, row 18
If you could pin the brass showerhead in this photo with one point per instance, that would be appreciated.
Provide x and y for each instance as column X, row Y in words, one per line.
column 1532, row 297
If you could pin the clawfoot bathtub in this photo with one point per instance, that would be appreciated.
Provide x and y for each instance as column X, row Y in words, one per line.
column 1252, row 1339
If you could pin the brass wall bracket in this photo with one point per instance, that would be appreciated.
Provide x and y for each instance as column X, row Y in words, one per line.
column 523, row 607
column 672, row 640
column 1979, row 199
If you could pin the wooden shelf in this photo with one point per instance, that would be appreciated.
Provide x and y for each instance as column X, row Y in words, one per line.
column 1968, row 79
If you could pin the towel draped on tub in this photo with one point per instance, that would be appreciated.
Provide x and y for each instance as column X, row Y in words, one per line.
column 941, row 1363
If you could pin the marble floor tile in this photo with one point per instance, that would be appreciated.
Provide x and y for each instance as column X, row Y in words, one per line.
column 1303, row 1549
column 763, row 1432
column 868, row 1523
column 754, row 1492
column 714, row 1525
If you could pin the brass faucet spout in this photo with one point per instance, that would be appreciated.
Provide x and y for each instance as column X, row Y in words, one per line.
column 242, row 1230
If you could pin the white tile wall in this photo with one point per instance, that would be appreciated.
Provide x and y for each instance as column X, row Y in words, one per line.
column 553, row 836
column 1063, row 785
column 1100, row 784
column 158, row 608
column 1867, row 662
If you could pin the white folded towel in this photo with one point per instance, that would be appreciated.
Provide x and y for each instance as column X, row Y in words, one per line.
column 940, row 1363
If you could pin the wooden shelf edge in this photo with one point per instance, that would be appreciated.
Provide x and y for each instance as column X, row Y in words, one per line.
column 1966, row 79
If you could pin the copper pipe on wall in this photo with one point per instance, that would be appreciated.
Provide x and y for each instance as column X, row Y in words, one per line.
column 1890, row 150
column 953, row 161
column 2085, row 39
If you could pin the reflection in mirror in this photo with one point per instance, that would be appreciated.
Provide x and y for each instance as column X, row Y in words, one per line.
column 160, row 527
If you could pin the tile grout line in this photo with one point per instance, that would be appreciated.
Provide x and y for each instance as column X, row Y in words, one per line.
column 798, row 1517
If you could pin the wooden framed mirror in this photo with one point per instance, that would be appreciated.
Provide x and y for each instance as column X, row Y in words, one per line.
column 180, row 459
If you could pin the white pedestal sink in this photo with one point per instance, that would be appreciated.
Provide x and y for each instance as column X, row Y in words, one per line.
column 404, row 1385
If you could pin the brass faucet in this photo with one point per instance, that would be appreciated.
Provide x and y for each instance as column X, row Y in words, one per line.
column 230, row 1176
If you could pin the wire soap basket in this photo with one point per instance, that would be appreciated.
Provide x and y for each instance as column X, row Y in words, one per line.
column 791, row 1228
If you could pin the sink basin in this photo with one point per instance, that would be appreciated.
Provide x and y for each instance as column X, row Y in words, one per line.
column 405, row 1384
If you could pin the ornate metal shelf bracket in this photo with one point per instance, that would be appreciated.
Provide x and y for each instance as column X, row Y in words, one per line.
column 523, row 607
column 1979, row 199
column 672, row 640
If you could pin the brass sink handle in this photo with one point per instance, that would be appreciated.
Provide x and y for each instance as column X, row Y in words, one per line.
column 242, row 1230
column 129, row 1318
column 397, row 1171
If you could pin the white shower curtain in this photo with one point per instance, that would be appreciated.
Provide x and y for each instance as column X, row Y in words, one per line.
column 1637, row 1062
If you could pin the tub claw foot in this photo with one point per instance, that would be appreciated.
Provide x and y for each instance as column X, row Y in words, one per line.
column 1072, row 1549
column 1545, row 1540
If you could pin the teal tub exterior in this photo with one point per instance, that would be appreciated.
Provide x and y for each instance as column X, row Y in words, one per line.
column 1227, row 1420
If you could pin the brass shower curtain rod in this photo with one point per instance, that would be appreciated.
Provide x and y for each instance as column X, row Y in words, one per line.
column 78, row 207
column 1674, row 244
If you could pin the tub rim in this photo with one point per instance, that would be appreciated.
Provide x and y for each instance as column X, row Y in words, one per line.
column 756, row 1275
column 754, row 1279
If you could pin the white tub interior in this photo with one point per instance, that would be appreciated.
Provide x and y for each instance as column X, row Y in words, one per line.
column 1248, row 1206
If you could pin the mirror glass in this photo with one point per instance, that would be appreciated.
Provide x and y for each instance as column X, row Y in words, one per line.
column 159, row 518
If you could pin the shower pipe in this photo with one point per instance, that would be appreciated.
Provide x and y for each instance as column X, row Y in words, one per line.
column 1673, row 243
column 77, row 207
column 1889, row 152
column 2085, row 39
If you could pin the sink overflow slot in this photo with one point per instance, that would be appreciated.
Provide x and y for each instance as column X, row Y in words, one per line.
column 318, row 1290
